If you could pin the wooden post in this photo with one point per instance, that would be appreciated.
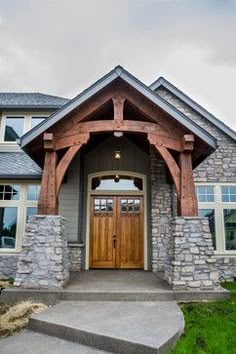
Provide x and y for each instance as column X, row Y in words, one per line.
column 118, row 104
column 48, row 201
column 188, row 200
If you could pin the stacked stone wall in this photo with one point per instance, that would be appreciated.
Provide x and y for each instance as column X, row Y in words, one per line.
column 161, row 211
column 8, row 264
column 75, row 255
column 219, row 167
column 43, row 262
column 193, row 265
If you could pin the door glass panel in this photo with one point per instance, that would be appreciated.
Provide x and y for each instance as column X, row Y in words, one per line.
column 103, row 205
column 130, row 205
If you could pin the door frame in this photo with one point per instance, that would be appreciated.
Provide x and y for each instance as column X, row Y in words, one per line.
column 118, row 193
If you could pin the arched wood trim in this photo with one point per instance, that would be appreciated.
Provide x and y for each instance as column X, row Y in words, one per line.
column 172, row 165
column 64, row 164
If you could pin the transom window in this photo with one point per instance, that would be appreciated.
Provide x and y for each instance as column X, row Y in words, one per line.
column 228, row 194
column 205, row 194
column 117, row 182
column 33, row 192
column 9, row 192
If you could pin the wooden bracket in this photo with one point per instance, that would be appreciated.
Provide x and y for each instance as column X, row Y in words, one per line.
column 118, row 104
column 187, row 142
column 48, row 141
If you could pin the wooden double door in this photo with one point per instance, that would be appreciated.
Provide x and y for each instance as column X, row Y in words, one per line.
column 116, row 232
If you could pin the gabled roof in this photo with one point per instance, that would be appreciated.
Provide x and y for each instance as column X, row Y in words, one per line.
column 13, row 100
column 18, row 165
column 193, row 104
column 118, row 72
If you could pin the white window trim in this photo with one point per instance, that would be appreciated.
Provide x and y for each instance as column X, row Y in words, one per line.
column 21, row 204
column 219, row 207
column 12, row 145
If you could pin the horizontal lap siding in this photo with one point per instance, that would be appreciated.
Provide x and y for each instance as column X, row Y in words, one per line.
column 69, row 200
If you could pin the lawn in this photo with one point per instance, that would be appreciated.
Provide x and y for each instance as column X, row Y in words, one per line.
column 210, row 327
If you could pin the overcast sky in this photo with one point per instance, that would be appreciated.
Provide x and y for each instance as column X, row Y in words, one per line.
column 62, row 46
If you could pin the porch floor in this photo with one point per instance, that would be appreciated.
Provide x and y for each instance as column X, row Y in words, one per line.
column 117, row 280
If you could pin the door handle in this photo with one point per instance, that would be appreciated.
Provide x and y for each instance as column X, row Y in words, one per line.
column 114, row 241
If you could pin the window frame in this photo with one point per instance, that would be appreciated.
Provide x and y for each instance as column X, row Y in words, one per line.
column 22, row 203
column 219, row 207
column 27, row 116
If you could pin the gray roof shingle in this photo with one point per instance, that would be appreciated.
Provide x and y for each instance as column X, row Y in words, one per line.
column 18, row 165
column 30, row 100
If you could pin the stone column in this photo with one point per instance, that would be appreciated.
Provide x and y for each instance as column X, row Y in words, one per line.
column 191, row 264
column 43, row 262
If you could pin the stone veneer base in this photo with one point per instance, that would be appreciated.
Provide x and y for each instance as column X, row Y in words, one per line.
column 43, row 262
column 191, row 263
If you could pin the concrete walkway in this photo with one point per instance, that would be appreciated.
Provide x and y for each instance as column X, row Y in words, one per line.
column 29, row 342
column 118, row 327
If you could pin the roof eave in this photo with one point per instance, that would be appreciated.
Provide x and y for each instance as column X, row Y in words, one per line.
column 100, row 84
column 194, row 105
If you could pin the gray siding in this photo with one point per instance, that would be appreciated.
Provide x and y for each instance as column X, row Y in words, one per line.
column 69, row 200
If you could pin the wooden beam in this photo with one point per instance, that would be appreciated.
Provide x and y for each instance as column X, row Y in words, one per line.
column 188, row 199
column 66, row 160
column 155, row 131
column 48, row 201
column 171, row 164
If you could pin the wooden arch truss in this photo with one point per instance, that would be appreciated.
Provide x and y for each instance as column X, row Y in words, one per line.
column 73, row 136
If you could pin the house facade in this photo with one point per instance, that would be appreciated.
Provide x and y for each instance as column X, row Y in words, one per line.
column 122, row 176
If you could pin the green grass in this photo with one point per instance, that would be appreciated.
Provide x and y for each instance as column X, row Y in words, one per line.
column 210, row 327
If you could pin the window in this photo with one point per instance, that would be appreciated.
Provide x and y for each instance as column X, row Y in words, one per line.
column 9, row 192
column 14, row 128
column 228, row 194
column 218, row 203
column 210, row 214
column 8, row 224
column 117, row 182
column 17, row 202
column 103, row 205
column 130, row 205
column 33, row 192
column 36, row 120
column 205, row 194
column 230, row 229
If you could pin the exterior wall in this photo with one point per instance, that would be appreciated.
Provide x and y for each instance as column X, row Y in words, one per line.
column 43, row 262
column 191, row 262
column 69, row 200
column 8, row 264
column 161, row 211
column 219, row 167
column 75, row 256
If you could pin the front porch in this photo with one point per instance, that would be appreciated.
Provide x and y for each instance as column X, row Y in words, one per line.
column 152, row 225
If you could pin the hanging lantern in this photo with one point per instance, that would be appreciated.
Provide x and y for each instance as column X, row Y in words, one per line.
column 117, row 178
column 117, row 155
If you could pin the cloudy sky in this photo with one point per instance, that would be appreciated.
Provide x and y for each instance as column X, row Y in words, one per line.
column 62, row 46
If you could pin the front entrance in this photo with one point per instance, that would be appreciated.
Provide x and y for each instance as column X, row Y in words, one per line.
column 116, row 232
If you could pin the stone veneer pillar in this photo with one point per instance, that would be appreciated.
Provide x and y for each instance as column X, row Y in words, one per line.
column 43, row 262
column 190, row 263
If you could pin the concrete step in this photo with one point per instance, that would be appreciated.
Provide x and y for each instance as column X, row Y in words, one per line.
column 74, row 295
column 113, row 326
column 13, row 295
column 30, row 342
